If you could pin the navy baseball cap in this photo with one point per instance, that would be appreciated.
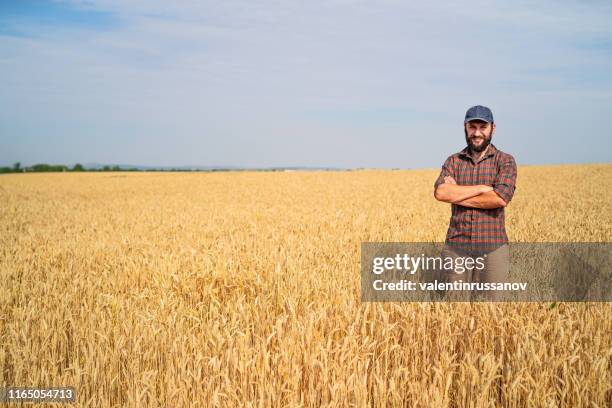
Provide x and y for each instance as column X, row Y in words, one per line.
column 479, row 112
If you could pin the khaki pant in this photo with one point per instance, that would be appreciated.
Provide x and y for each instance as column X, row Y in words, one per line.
column 496, row 269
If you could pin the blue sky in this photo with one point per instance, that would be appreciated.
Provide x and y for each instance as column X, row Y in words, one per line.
column 293, row 83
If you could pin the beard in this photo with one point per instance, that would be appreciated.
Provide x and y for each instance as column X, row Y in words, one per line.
column 486, row 140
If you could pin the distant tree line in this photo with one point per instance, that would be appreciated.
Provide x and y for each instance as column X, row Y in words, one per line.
column 44, row 167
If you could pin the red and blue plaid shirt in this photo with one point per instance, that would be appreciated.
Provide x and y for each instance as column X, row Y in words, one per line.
column 476, row 228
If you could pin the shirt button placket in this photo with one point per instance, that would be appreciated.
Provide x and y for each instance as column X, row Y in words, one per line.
column 473, row 210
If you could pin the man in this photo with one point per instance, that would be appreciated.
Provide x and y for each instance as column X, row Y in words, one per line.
column 479, row 182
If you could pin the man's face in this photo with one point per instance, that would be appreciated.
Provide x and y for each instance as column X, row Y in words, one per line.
column 478, row 134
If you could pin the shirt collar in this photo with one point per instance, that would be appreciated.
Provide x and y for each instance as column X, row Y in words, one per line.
column 490, row 152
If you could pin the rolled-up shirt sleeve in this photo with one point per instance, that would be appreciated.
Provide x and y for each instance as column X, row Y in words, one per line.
column 447, row 170
column 505, row 182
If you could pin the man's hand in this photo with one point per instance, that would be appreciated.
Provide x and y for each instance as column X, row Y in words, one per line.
column 449, row 180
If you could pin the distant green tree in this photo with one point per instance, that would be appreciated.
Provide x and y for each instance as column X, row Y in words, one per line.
column 115, row 168
column 40, row 167
column 17, row 167
column 78, row 167
column 106, row 168
column 44, row 167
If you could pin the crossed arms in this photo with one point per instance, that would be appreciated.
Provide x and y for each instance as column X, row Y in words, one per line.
column 478, row 196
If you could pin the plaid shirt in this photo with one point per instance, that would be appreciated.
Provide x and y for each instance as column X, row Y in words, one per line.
column 476, row 228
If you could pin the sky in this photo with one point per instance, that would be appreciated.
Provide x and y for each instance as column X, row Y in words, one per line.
column 301, row 83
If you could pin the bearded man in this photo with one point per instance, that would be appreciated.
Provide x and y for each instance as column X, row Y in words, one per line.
column 479, row 183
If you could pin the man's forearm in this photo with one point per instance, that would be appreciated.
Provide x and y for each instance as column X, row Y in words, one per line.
column 453, row 193
column 488, row 200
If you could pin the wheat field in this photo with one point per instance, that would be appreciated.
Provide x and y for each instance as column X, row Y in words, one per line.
column 242, row 289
